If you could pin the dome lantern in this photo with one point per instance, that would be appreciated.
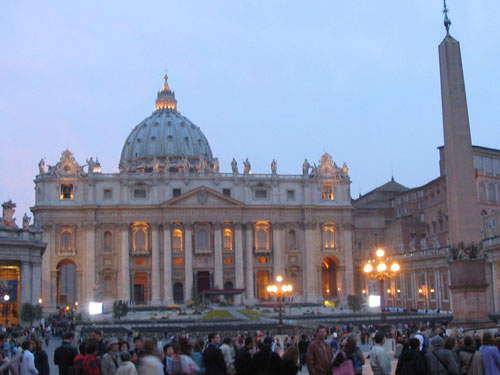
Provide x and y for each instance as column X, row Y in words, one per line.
column 166, row 97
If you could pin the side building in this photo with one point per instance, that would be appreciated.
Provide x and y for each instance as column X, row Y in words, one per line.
column 169, row 225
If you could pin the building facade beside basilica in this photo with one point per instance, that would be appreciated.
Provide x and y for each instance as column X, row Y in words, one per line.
column 169, row 225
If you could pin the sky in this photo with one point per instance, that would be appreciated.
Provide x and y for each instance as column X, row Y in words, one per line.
column 280, row 79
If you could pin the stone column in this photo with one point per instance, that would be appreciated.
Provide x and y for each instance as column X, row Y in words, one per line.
column 125, row 265
column 278, row 267
column 494, row 282
column 349, row 261
column 310, row 292
column 219, row 284
column 46, row 286
column 155, row 266
column 238, row 260
column 90, row 264
column 437, row 282
column 250, row 297
column 36, row 282
column 168, row 297
column 188, row 263
column 26, row 282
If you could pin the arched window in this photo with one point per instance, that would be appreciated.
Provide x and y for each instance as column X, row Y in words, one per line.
column 228, row 239
column 262, row 240
column 228, row 285
column 492, row 193
column 177, row 240
column 202, row 239
column 482, row 191
column 292, row 240
column 66, row 240
column 178, row 293
column 108, row 241
column 329, row 236
column 140, row 240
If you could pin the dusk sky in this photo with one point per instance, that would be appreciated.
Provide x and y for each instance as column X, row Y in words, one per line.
column 288, row 80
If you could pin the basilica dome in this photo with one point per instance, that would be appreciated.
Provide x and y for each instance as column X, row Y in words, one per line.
column 166, row 141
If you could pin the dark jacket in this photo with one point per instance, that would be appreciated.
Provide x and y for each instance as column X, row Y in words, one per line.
column 214, row 361
column 64, row 357
column 266, row 362
column 411, row 362
column 242, row 361
column 42, row 363
column 290, row 367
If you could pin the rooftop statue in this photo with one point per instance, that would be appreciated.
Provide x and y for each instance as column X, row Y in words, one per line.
column 8, row 214
column 247, row 168
column 305, row 167
column 26, row 221
column 216, row 165
column 41, row 166
column 234, row 166
column 274, row 166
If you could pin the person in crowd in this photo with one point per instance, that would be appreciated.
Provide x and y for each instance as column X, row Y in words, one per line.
column 440, row 361
column 349, row 344
column 168, row 352
column 64, row 356
column 303, row 345
column 124, row 346
column 451, row 344
column 28, row 359
column 41, row 359
column 227, row 352
column 265, row 361
column 380, row 362
column 111, row 360
column 291, row 361
column 90, row 363
column 101, row 347
column 138, row 346
column 212, row 356
column 319, row 356
column 412, row 361
column 243, row 357
column 471, row 360
column 78, row 362
column 126, row 365
column 344, row 360
column 182, row 363
column 197, row 355
column 491, row 356
column 150, row 363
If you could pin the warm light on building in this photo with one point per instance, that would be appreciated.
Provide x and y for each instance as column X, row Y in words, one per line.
column 380, row 253
column 382, row 267
column 368, row 268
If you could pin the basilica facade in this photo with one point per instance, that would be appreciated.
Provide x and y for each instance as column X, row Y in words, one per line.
column 169, row 225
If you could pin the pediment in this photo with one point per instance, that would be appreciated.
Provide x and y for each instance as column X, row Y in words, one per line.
column 203, row 196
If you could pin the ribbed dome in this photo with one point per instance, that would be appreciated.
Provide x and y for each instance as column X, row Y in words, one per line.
column 167, row 141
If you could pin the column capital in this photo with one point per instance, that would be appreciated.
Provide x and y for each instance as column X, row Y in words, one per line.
column 123, row 225
column 278, row 225
column 155, row 225
column 217, row 225
column 238, row 225
column 188, row 225
column 166, row 225
column 309, row 225
column 89, row 225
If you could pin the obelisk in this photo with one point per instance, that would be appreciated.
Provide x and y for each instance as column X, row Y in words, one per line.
column 467, row 266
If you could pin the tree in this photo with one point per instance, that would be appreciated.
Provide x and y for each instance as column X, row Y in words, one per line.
column 120, row 309
column 31, row 312
column 354, row 302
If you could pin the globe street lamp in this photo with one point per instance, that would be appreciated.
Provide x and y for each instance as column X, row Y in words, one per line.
column 280, row 290
column 378, row 270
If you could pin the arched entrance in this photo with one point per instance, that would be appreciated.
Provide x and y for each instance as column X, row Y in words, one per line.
column 202, row 281
column 66, row 283
column 140, row 288
column 178, row 293
column 262, row 283
column 329, row 277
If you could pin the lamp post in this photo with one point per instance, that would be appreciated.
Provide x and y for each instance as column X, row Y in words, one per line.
column 280, row 290
column 381, row 272
column 6, row 299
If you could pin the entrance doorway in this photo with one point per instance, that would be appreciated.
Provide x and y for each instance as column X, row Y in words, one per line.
column 262, row 283
column 329, row 278
column 66, row 283
column 178, row 293
column 140, row 288
column 202, row 281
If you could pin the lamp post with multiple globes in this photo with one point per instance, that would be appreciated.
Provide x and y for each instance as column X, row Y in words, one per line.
column 6, row 299
column 279, row 290
column 378, row 270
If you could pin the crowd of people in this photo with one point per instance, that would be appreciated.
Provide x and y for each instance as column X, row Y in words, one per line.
column 328, row 351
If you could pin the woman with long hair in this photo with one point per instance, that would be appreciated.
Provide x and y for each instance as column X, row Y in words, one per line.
column 291, row 361
column 41, row 359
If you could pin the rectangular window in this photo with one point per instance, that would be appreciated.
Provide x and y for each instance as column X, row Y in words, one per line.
column 176, row 192
column 262, row 260
column 67, row 191
column 140, row 262
column 178, row 261
column 327, row 192
column 260, row 193
column 228, row 260
column 226, row 192
column 140, row 193
column 290, row 195
column 108, row 194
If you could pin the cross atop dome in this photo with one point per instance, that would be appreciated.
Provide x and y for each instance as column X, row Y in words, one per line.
column 166, row 97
